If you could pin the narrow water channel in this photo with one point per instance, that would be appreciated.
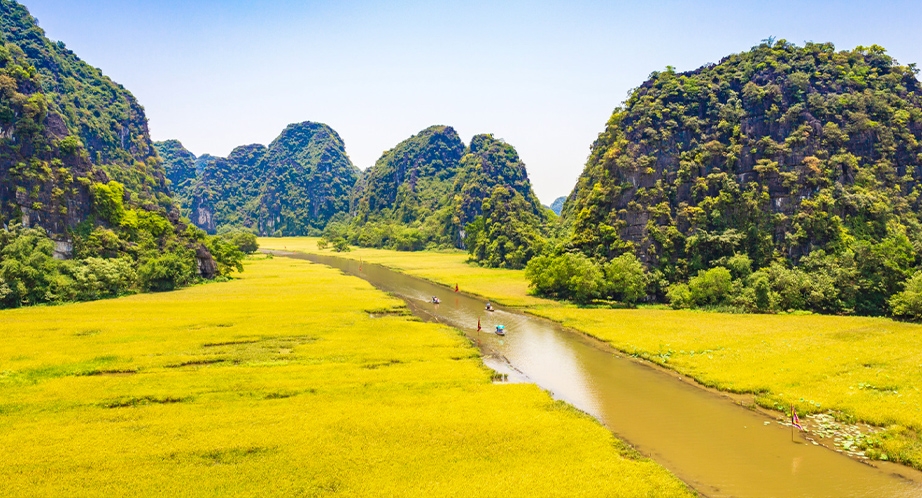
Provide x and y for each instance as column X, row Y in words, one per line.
column 716, row 446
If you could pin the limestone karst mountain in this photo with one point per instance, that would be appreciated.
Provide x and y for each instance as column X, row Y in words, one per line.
column 792, row 156
column 292, row 187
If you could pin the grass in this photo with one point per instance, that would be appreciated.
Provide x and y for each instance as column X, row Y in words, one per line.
column 292, row 380
column 856, row 368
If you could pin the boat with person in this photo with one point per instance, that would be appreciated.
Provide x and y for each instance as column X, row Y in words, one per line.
column 500, row 330
column 436, row 300
column 490, row 307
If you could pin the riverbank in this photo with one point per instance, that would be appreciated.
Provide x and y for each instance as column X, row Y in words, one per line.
column 291, row 380
column 858, row 369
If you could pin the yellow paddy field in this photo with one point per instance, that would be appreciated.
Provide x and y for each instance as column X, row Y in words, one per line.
column 292, row 380
column 857, row 368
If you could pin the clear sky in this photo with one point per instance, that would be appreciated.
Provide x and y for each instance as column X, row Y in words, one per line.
column 544, row 76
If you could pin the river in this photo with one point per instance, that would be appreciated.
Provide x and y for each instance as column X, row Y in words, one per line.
column 716, row 446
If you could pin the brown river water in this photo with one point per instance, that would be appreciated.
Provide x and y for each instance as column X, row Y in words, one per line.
column 716, row 446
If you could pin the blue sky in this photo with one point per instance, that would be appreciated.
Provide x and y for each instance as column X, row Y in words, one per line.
column 544, row 76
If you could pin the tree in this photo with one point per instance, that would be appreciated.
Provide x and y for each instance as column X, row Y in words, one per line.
column 626, row 278
column 27, row 267
column 168, row 271
column 226, row 254
column 569, row 276
column 908, row 302
column 711, row 287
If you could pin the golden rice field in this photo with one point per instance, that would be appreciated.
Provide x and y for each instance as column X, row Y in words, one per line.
column 293, row 380
column 858, row 368
column 508, row 287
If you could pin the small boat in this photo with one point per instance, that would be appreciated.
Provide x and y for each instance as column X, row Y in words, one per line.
column 500, row 330
column 490, row 308
column 436, row 300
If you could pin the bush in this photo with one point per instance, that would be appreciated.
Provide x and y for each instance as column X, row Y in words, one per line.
column 341, row 245
column 27, row 268
column 570, row 276
column 711, row 287
column 244, row 239
column 908, row 303
column 226, row 254
column 95, row 278
column 108, row 201
column 679, row 296
column 627, row 278
column 761, row 287
column 168, row 271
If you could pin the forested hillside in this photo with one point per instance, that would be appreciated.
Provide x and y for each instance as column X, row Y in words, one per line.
column 79, row 179
column 781, row 178
column 293, row 187
column 433, row 191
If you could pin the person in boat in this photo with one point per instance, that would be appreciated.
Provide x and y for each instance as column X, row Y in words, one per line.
column 500, row 330
column 436, row 300
column 489, row 306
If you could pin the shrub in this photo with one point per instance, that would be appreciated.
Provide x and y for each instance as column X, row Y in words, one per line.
column 168, row 271
column 761, row 287
column 679, row 296
column 95, row 278
column 340, row 245
column 226, row 254
column 108, row 201
column 27, row 267
column 627, row 278
column 908, row 303
column 244, row 239
column 569, row 276
column 711, row 287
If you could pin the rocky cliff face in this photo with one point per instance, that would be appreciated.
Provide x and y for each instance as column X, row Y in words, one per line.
column 291, row 187
column 557, row 205
column 65, row 127
column 776, row 152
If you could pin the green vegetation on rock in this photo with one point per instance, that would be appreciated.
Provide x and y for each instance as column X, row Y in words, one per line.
column 292, row 187
column 78, row 178
column 803, row 163
column 432, row 191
